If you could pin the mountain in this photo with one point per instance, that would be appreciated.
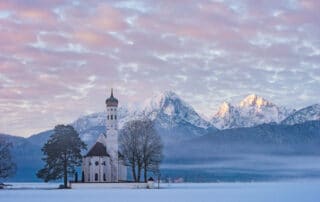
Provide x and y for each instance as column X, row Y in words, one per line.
column 261, row 153
column 27, row 157
column 306, row 114
column 173, row 117
column 267, row 139
column 251, row 111
column 227, row 116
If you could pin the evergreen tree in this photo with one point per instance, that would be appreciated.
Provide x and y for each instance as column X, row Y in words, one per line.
column 7, row 167
column 62, row 154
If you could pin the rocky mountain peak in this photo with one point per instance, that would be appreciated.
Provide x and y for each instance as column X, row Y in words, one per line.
column 255, row 100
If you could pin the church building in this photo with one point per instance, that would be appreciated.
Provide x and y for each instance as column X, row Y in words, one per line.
column 103, row 162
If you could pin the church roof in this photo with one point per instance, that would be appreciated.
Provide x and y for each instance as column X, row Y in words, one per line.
column 98, row 150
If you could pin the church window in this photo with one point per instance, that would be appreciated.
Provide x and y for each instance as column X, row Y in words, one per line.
column 96, row 163
column 111, row 117
column 96, row 177
column 115, row 117
column 104, row 177
column 104, row 163
column 108, row 117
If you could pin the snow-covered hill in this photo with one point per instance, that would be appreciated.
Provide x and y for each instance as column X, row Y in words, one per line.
column 306, row 114
column 251, row 111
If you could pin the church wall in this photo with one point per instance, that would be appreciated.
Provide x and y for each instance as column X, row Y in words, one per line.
column 96, row 165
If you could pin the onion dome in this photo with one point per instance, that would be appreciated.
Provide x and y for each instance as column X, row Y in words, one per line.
column 112, row 101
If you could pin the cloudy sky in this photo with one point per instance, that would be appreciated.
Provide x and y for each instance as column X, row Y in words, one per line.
column 58, row 59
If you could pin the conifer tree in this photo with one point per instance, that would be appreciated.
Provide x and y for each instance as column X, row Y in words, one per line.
column 7, row 167
column 62, row 154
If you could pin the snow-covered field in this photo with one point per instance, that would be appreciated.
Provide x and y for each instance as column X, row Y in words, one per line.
column 306, row 191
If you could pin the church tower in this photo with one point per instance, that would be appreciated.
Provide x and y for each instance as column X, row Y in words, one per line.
column 112, row 136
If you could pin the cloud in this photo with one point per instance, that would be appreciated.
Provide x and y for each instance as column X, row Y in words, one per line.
column 58, row 58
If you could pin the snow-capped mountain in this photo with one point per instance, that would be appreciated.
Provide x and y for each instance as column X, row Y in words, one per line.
column 169, row 110
column 251, row 111
column 310, row 113
column 227, row 116
column 173, row 117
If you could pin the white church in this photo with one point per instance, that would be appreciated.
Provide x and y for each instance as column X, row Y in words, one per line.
column 103, row 162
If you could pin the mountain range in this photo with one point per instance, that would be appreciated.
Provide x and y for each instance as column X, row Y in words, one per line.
column 178, row 122
column 176, row 119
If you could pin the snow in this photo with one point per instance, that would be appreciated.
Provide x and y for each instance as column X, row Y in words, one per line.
column 251, row 111
column 306, row 114
column 169, row 110
column 306, row 191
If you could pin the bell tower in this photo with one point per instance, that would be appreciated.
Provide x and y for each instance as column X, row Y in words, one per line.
column 112, row 136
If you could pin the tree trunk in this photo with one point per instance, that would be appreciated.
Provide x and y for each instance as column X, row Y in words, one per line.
column 133, row 167
column 65, row 173
column 145, row 173
column 139, row 172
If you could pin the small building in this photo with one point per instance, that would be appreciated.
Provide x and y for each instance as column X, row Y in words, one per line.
column 103, row 162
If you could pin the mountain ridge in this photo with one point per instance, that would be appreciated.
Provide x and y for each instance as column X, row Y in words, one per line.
column 251, row 111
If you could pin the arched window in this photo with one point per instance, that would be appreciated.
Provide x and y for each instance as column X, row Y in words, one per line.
column 108, row 117
column 111, row 117
column 96, row 163
column 104, row 177
column 115, row 117
column 96, row 177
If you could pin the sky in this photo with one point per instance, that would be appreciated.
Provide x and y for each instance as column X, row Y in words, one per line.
column 59, row 58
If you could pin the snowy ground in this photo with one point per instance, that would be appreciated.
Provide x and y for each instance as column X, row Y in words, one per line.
column 306, row 191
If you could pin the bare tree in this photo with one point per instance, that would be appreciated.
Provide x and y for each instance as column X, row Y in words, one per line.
column 141, row 146
column 129, row 142
column 7, row 167
column 151, row 148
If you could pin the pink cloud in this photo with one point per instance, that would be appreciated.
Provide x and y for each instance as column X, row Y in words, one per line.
column 54, row 54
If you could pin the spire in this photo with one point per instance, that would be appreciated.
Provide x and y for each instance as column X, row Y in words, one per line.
column 112, row 101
